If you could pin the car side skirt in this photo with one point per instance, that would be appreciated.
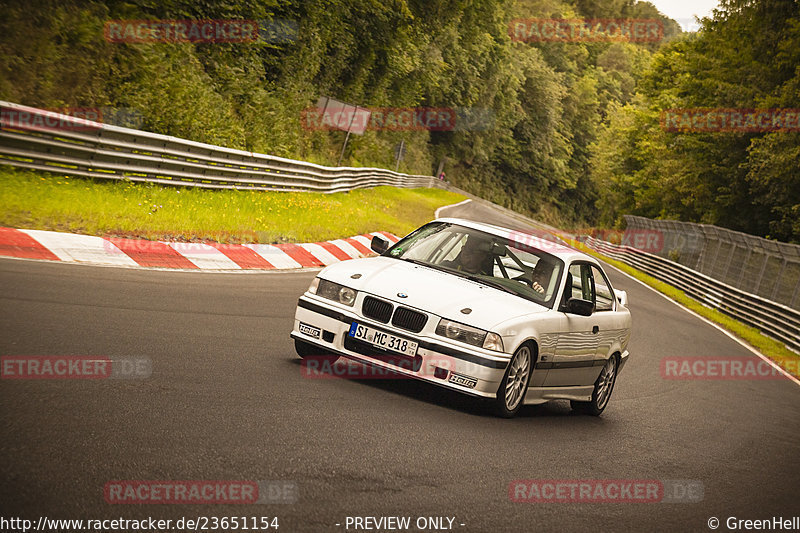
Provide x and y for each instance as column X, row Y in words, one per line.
column 539, row 395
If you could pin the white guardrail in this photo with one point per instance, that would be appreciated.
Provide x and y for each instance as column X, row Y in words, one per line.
column 772, row 319
column 43, row 140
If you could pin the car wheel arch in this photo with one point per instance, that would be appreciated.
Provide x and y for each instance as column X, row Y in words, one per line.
column 532, row 342
column 534, row 346
column 593, row 405
column 615, row 349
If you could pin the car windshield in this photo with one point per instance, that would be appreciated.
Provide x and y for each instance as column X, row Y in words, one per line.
column 495, row 261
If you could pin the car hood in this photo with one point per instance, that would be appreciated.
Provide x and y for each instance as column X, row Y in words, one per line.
column 431, row 290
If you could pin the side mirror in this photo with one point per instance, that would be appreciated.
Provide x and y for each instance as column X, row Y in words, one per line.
column 379, row 244
column 622, row 297
column 576, row 306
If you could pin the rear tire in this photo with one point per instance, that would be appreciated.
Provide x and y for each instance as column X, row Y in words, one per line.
column 514, row 385
column 603, row 388
column 309, row 351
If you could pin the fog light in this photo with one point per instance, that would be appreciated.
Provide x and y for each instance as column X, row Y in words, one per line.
column 440, row 373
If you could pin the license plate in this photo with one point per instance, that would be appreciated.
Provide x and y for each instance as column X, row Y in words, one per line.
column 384, row 340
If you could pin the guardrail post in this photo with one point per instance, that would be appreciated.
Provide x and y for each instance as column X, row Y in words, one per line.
column 724, row 276
column 763, row 269
column 713, row 262
column 743, row 268
column 778, row 279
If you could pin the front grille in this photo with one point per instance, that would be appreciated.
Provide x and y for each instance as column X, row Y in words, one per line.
column 377, row 309
column 399, row 360
column 409, row 319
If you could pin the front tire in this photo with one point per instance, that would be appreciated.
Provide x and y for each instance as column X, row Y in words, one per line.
column 514, row 385
column 309, row 351
column 603, row 388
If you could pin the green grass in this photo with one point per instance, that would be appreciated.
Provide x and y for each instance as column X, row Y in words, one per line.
column 38, row 200
column 775, row 350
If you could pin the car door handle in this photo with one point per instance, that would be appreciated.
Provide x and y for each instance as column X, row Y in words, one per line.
column 595, row 329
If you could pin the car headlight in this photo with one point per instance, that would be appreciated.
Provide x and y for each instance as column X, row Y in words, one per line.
column 469, row 335
column 333, row 291
column 314, row 286
column 493, row 342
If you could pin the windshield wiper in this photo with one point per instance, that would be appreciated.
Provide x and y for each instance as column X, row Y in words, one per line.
column 488, row 282
column 416, row 262
column 429, row 265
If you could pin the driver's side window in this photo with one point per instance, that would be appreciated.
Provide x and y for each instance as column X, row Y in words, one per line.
column 579, row 284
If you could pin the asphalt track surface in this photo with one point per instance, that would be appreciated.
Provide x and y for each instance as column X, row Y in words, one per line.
column 226, row 400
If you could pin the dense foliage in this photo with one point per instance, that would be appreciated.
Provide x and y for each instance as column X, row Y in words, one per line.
column 574, row 136
column 746, row 57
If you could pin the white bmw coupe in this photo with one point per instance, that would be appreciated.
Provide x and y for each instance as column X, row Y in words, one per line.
column 475, row 308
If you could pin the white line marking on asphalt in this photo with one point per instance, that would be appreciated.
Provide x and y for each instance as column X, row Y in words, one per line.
column 437, row 213
column 710, row 323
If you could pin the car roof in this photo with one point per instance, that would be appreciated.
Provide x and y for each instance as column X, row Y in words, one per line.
column 541, row 240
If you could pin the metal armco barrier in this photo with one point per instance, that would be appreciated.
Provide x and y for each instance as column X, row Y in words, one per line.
column 771, row 318
column 43, row 140
column 770, row 269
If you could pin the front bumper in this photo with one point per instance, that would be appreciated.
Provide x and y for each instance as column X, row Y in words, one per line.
column 474, row 372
